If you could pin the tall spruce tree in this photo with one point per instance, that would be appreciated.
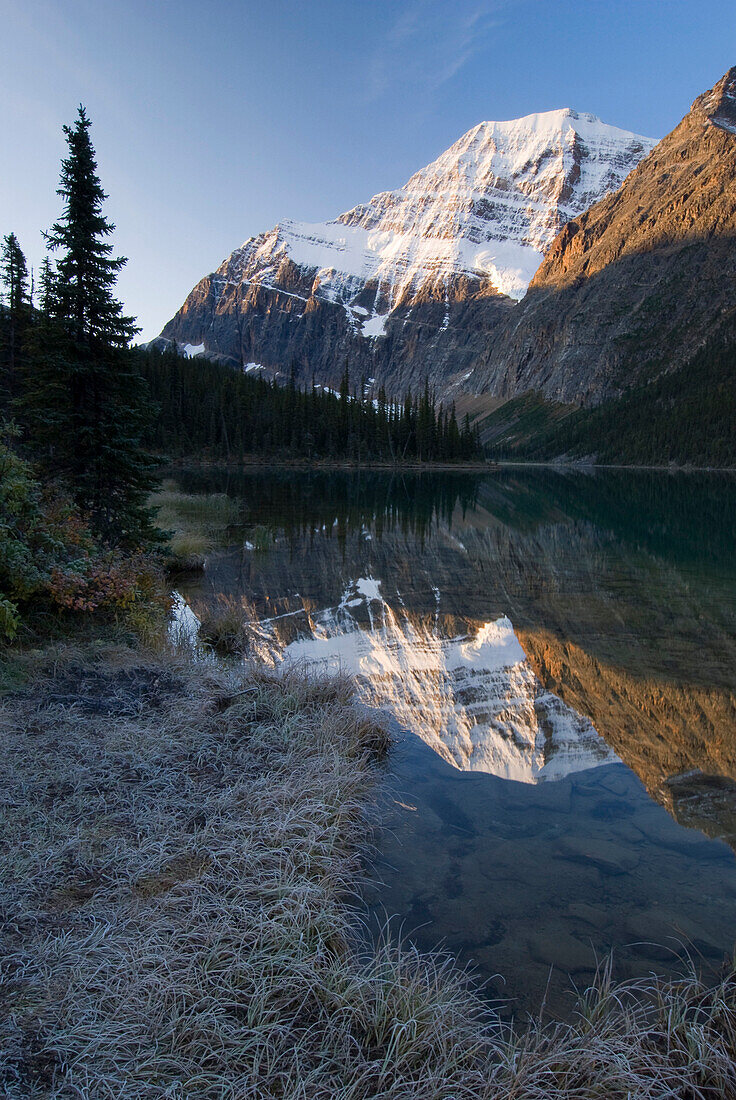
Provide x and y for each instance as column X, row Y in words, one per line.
column 88, row 384
column 43, row 406
column 14, row 279
column 13, row 274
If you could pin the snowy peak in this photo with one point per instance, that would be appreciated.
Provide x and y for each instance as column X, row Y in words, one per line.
column 486, row 209
column 553, row 164
column 470, row 228
column 652, row 267
column 490, row 205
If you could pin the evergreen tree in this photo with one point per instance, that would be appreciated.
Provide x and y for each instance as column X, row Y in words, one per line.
column 46, row 284
column 89, row 383
column 43, row 404
column 14, row 278
column 13, row 274
column 207, row 408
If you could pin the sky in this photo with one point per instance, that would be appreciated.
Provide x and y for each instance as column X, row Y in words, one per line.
column 214, row 119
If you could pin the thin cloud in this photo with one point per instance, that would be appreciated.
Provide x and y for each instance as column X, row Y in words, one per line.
column 429, row 42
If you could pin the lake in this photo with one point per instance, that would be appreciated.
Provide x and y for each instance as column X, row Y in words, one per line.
column 558, row 652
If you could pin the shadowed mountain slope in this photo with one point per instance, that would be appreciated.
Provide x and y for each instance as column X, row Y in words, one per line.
column 636, row 284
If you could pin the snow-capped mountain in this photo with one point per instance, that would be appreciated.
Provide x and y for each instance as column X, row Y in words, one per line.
column 487, row 208
column 471, row 226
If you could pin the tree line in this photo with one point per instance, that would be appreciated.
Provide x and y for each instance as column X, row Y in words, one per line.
column 685, row 416
column 210, row 409
column 95, row 414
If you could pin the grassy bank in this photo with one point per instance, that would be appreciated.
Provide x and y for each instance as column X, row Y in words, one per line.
column 181, row 858
column 195, row 524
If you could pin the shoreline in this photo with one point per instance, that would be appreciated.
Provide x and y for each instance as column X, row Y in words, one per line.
column 583, row 467
column 490, row 467
column 181, row 884
column 325, row 464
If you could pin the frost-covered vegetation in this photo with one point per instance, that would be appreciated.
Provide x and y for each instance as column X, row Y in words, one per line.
column 182, row 853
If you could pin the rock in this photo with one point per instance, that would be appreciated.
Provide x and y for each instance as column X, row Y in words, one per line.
column 607, row 856
column 556, row 947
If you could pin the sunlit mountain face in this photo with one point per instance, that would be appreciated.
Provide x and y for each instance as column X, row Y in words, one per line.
column 414, row 280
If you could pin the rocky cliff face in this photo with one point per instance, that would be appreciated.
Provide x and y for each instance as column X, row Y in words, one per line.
column 417, row 279
column 637, row 282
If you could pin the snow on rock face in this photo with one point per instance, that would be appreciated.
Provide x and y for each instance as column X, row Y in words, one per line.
column 374, row 326
column 486, row 210
column 192, row 351
column 474, row 699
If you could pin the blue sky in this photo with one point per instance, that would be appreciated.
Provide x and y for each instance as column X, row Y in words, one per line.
column 214, row 119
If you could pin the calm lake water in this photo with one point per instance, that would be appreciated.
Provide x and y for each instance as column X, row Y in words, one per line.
column 559, row 650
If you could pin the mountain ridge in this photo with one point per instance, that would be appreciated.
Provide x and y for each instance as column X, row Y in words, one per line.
column 648, row 272
column 421, row 273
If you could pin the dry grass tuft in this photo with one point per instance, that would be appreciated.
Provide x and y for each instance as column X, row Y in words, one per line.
column 227, row 626
column 180, row 848
column 189, row 550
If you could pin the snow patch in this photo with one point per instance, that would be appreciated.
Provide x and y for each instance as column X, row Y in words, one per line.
column 369, row 587
column 193, row 350
column 375, row 327
column 723, row 124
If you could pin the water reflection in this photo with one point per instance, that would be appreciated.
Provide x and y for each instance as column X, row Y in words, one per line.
column 528, row 625
column 473, row 698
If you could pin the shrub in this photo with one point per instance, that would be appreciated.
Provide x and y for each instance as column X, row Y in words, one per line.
column 48, row 554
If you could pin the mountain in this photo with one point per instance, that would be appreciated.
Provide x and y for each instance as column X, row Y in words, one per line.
column 416, row 279
column 633, row 287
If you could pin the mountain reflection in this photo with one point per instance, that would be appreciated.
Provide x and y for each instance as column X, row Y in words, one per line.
column 473, row 698
column 620, row 589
